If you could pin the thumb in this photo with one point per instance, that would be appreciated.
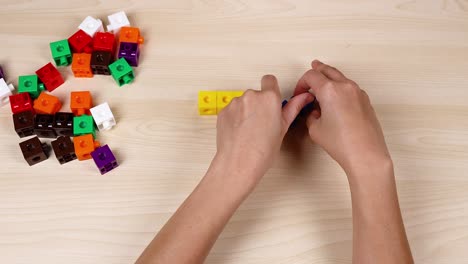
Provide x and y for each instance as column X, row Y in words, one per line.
column 292, row 109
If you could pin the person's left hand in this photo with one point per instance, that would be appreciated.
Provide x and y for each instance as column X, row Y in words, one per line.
column 251, row 128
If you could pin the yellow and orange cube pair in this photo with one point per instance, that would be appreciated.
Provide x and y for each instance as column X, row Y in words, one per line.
column 47, row 104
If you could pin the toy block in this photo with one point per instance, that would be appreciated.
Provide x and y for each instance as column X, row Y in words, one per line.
column 29, row 84
column 63, row 124
column 34, row 151
column 81, row 65
column 24, row 123
column 91, row 26
column 225, row 97
column 104, row 42
column 83, row 125
column 207, row 102
column 100, row 61
column 131, row 35
column 130, row 52
column 104, row 159
column 5, row 92
column 43, row 126
column 84, row 145
column 61, row 52
column 21, row 102
column 80, row 42
column 64, row 149
column 50, row 76
column 103, row 116
column 2, row 74
column 121, row 72
column 81, row 102
column 47, row 104
column 117, row 21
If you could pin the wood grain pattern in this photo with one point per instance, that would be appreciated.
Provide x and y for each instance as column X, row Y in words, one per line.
column 410, row 55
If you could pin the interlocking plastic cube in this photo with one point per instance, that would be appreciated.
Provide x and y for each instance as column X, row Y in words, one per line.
column 81, row 102
column 24, row 123
column 104, row 159
column 104, row 42
column 61, row 52
column 225, row 97
column 100, row 61
column 5, row 92
column 81, row 65
column 83, row 125
column 91, row 26
column 43, row 126
column 117, row 21
column 80, row 42
column 29, row 84
column 131, row 34
column 50, row 76
column 207, row 102
column 84, row 145
column 34, row 151
column 130, row 52
column 122, row 72
column 64, row 149
column 63, row 124
column 47, row 104
column 21, row 102
column 103, row 116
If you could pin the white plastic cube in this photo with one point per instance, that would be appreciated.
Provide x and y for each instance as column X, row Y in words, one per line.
column 5, row 92
column 103, row 116
column 91, row 25
column 117, row 21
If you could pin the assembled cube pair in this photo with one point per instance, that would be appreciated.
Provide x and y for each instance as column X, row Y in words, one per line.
column 129, row 42
column 84, row 65
column 212, row 102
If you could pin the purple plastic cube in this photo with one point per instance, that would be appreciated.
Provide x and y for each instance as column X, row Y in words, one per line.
column 104, row 159
column 2, row 75
column 131, row 53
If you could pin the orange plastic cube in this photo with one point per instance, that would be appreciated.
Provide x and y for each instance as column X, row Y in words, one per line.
column 47, row 104
column 81, row 102
column 84, row 145
column 131, row 34
column 81, row 65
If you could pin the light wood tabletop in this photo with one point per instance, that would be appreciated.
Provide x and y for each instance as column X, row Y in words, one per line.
column 411, row 56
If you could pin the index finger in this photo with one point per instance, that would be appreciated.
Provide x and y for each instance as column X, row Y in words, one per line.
column 311, row 80
column 270, row 83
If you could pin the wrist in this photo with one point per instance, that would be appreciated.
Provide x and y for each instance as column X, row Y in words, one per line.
column 370, row 170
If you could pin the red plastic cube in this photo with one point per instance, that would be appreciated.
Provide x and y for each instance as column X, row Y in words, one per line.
column 50, row 76
column 21, row 102
column 80, row 42
column 104, row 42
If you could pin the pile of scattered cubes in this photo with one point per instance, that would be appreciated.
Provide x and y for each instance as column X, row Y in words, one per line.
column 36, row 112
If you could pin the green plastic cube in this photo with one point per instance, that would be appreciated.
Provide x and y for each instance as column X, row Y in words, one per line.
column 121, row 71
column 83, row 125
column 30, row 84
column 61, row 52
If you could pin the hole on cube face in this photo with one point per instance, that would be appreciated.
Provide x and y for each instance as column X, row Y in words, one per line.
column 100, row 58
column 28, row 84
column 44, row 102
column 127, row 47
column 59, row 48
column 22, row 120
column 120, row 67
column 207, row 99
column 86, row 156
column 37, row 158
column 226, row 99
column 63, row 133
column 102, row 156
column 207, row 111
column 30, row 147
column 62, row 146
column 83, row 124
column 83, row 144
column 103, row 170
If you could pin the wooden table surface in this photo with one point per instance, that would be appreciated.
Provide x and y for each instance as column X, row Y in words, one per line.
column 411, row 56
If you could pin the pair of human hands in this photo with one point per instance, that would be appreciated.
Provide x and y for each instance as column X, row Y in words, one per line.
column 251, row 128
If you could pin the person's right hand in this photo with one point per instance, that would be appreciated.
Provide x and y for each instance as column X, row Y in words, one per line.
column 346, row 125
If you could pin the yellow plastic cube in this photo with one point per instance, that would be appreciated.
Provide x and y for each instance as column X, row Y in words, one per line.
column 207, row 102
column 225, row 97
